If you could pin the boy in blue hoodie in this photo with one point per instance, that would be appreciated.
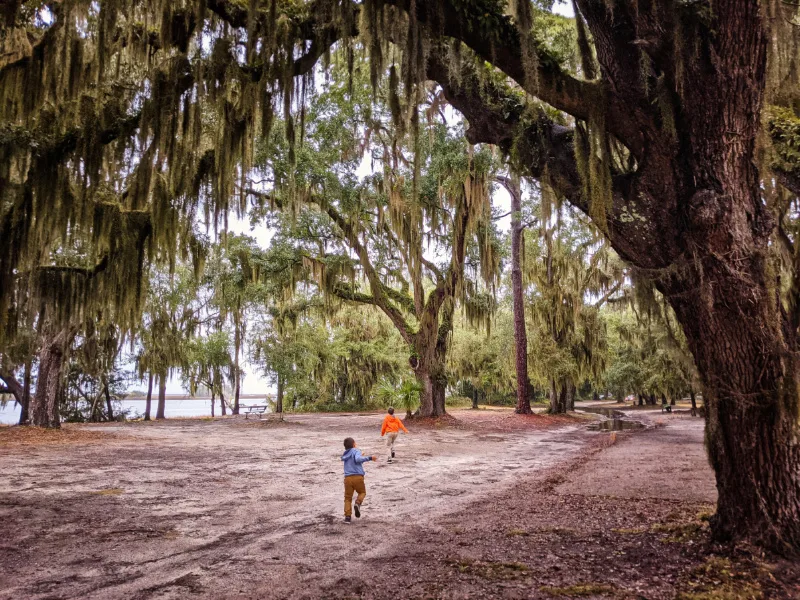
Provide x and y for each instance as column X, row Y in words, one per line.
column 353, row 477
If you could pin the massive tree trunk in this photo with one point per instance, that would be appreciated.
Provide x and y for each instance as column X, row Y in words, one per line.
column 518, row 293
column 433, row 383
column 147, row 404
column 43, row 408
column 431, row 344
column 747, row 362
column 162, row 395
column 694, row 402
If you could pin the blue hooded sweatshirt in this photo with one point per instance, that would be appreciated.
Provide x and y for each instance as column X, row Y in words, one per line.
column 352, row 462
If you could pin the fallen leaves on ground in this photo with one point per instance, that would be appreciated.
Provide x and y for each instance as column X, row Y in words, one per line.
column 37, row 436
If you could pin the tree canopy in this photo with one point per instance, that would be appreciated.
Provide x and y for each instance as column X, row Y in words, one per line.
column 673, row 126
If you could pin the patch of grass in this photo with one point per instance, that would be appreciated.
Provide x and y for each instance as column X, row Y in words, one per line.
column 680, row 532
column 706, row 514
column 633, row 531
column 581, row 589
column 109, row 492
column 557, row 530
column 493, row 571
column 516, row 532
column 718, row 579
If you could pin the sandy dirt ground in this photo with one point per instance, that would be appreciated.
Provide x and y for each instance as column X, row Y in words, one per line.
column 490, row 505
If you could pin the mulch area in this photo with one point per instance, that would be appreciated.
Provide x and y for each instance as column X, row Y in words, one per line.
column 531, row 542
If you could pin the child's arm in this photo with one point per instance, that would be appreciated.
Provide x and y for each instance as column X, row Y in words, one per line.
column 362, row 459
column 383, row 426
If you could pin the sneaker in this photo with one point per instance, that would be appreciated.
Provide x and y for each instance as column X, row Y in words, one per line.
column 347, row 520
column 357, row 510
column 389, row 461
column 392, row 453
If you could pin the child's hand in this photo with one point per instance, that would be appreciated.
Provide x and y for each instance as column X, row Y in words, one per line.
column 374, row 458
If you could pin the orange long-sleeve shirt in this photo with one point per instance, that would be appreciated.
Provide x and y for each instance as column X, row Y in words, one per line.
column 392, row 424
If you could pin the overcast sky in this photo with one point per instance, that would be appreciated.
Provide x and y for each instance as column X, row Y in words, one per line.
column 254, row 382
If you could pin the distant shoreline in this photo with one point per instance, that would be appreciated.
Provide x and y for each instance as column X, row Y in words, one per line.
column 229, row 399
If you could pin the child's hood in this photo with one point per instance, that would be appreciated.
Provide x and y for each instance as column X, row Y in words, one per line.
column 349, row 453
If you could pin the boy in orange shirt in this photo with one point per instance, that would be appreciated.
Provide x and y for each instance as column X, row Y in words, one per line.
column 391, row 427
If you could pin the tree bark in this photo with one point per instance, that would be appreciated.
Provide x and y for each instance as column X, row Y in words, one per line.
column 433, row 383
column 162, row 396
column 13, row 386
column 558, row 398
column 44, row 404
column 431, row 344
column 222, row 402
column 237, row 343
column 26, row 392
column 694, row 402
column 750, row 394
column 108, row 403
column 213, row 401
column 474, row 398
column 149, row 397
column 279, row 397
column 93, row 413
column 518, row 293
column 569, row 401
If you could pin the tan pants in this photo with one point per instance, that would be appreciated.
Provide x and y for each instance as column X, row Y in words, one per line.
column 353, row 483
column 390, row 439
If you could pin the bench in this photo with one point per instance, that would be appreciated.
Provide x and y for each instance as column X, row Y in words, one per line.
column 666, row 408
column 255, row 409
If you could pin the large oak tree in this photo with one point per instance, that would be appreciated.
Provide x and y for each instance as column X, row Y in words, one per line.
column 659, row 141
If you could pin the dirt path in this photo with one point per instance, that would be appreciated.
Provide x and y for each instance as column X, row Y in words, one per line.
column 497, row 507
column 216, row 506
